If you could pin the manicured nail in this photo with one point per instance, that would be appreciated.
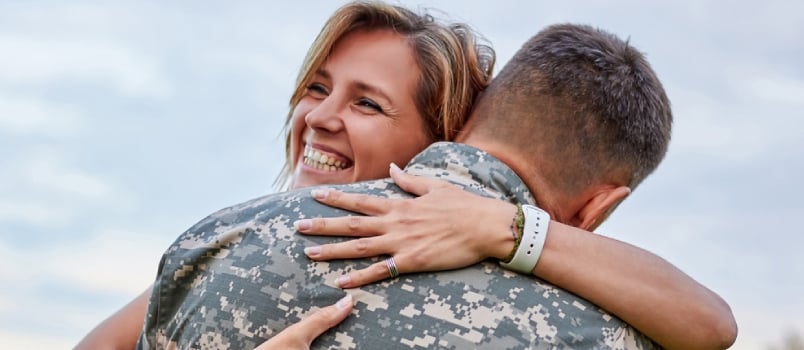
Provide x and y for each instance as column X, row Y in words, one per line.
column 344, row 302
column 342, row 281
column 312, row 251
column 303, row 225
column 395, row 168
column 319, row 193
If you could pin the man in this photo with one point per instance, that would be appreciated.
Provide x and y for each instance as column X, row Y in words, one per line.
column 576, row 116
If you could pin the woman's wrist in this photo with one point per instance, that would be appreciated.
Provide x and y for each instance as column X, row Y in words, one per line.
column 532, row 224
column 503, row 239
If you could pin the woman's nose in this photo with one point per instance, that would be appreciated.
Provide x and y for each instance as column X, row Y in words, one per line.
column 327, row 116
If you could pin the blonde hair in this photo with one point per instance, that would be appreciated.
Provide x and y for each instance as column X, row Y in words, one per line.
column 455, row 65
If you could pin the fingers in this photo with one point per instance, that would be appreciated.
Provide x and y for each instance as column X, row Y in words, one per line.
column 416, row 185
column 301, row 335
column 352, row 226
column 359, row 203
column 326, row 318
column 374, row 273
column 356, row 248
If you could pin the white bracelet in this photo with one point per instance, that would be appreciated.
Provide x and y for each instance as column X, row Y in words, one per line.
column 530, row 247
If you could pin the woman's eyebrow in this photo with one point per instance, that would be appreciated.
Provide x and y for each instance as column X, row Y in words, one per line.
column 363, row 86
column 358, row 84
column 323, row 73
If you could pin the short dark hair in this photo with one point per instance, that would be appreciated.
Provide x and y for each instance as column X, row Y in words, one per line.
column 587, row 101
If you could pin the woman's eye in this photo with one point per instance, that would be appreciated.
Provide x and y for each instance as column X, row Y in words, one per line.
column 367, row 103
column 317, row 90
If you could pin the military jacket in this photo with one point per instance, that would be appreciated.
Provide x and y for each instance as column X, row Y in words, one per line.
column 240, row 276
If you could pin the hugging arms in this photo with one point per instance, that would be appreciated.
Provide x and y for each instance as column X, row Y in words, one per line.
column 342, row 130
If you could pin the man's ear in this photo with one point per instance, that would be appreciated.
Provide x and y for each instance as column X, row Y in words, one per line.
column 599, row 206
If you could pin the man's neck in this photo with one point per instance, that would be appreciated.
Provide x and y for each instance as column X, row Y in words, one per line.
column 524, row 166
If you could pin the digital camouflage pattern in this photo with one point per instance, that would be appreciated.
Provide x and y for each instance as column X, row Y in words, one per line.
column 240, row 276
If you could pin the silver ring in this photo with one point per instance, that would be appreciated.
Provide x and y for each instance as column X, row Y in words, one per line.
column 391, row 267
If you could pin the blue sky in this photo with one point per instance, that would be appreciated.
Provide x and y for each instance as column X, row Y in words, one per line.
column 123, row 123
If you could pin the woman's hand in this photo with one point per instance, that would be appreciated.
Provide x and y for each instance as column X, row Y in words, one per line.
column 445, row 228
column 302, row 334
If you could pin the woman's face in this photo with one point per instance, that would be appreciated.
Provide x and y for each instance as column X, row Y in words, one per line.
column 358, row 114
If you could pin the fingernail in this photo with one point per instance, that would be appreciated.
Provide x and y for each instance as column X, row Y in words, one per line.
column 395, row 168
column 303, row 225
column 344, row 302
column 312, row 251
column 319, row 193
column 342, row 281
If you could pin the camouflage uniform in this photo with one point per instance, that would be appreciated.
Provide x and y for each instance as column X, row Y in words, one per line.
column 240, row 276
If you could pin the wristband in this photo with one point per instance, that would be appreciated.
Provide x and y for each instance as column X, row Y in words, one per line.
column 531, row 243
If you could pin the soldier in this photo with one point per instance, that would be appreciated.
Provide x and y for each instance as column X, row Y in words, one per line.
column 241, row 274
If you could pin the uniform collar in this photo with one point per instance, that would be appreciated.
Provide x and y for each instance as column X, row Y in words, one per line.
column 471, row 167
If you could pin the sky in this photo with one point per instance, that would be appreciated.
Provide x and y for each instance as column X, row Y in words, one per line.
column 124, row 123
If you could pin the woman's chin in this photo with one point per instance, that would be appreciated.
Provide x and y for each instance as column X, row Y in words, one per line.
column 306, row 176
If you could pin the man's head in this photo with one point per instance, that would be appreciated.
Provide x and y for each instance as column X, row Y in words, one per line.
column 579, row 114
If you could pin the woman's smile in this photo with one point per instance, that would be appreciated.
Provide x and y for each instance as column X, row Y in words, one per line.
column 324, row 161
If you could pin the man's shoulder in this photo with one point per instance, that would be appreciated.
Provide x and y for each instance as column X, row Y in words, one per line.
column 291, row 203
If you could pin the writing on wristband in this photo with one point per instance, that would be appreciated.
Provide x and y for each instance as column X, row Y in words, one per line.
column 529, row 247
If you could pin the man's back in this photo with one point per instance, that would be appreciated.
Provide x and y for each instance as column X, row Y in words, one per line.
column 240, row 275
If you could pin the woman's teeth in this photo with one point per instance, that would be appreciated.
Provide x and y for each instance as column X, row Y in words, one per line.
column 322, row 161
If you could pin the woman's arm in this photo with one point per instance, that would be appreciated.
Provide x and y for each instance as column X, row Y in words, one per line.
column 122, row 329
column 641, row 288
column 447, row 228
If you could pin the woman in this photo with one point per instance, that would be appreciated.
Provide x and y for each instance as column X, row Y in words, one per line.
column 378, row 85
column 332, row 104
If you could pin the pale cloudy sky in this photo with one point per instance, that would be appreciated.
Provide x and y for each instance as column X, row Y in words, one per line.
column 122, row 124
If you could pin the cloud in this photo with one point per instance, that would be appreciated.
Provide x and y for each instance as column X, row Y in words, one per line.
column 34, row 340
column 43, row 188
column 109, row 261
column 46, row 173
column 725, row 120
column 87, row 278
column 38, row 213
column 80, row 282
column 25, row 115
column 701, row 128
column 775, row 89
column 30, row 60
